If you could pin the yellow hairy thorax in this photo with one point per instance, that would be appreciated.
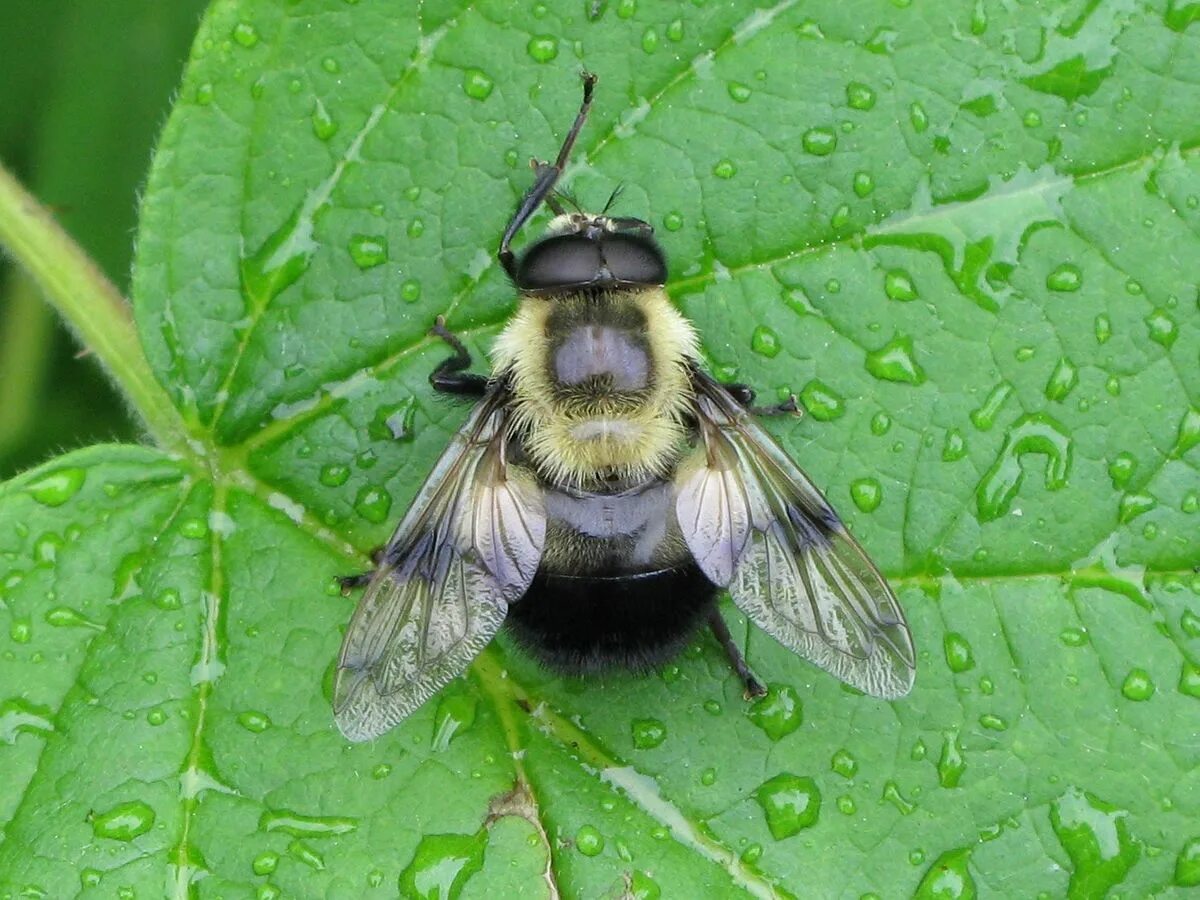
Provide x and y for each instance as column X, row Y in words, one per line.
column 577, row 441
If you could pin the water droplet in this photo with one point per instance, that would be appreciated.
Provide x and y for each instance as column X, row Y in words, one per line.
column 410, row 290
column 307, row 854
column 863, row 184
column 373, row 504
column 725, row 169
column 1062, row 380
column 265, row 863
column 882, row 41
column 477, row 84
column 859, row 95
column 1138, row 685
column 65, row 617
column 844, row 763
column 19, row 716
column 765, row 342
column 1035, row 433
column 334, row 474
column 168, row 598
column 368, row 250
column 1134, row 505
column 626, row 9
column 57, row 487
column 918, row 117
column 778, row 713
column 948, row 878
column 1113, row 386
column 1189, row 680
column 245, row 34
column 90, row 877
column 898, row 285
column 589, row 841
column 992, row 722
column 323, row 124
column 954, row 447
column 1096, row 837
column 1070, row 79
column 1073, row 637
column 959, row 656
column 1162, row 328
column 891, row 793
column 649, row 40
column 985, row 417
column 672, row 221
column 254, row 721
column 204, row 94
column 712, row 707
column 894, row 361
column 1188, row 435
column 455, row 714
column 542, row 48
column 1032, row 118
column 267, row 892
column 819, row 141
column 951, row 764
column 821, row 401
column 330, row 65
column 840, row 218
column 123, row 822
column 866, row 493
column 1187, row 863
column 881, row 423
column 1066, row 278
column 790, row 803
column 647, row 733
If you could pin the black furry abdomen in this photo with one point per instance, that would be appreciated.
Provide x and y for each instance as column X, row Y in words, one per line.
column 586, row 623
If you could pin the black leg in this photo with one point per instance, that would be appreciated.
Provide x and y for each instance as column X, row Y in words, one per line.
column 744, row 395
column 449, row 377
column 547, row 175
column 754, row 687
column 350, row 582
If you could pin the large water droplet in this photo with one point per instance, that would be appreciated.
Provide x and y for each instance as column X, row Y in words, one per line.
column 739, row 92
column 1096, row 837
column 959, row 656
column 985, row 417
column 245, row 34
column 819, row 141
column 589, row 841
column 790, row 803
column 19, row 716
column 821, row 401
column 123, row 822
column 898, row 285
column 647, row 733
column 951, row 764
column 1070, row 79
column 334, row 474
column 844, row 763
column 1034, row 433
column 254, row 721
column 1189, row 679
column 1188, row 435
column 948, row 878
column 954, row 447
column 1062, row 380
column 891, row 793
column 542, row 48
column 1138, row 685
column 373, row 503
column 882, row 40
column 368, row 250
column 866, row 493
column 918, row 117
column 265, row 863
column 477, row 84
column 1187, row 863
column 859, row 95
column 725, row 169
column 324, row 126
column 765, row 342
column 1134, row 505
column 895, row 361
column 778, row 713
column 57, row 487
column 1066, row 278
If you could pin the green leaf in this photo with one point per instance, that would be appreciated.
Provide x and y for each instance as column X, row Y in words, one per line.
column 980, row 287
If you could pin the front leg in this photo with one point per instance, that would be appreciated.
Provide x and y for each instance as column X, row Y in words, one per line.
column 744, row 395
column 449, row 377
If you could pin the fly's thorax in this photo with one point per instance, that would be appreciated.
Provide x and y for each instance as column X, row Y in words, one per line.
column 600, row 383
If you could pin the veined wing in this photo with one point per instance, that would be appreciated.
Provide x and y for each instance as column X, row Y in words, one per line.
column 467, row 548
column 756, row 525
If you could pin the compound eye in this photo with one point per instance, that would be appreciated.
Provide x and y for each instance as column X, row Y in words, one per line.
column 633, row 259
column 565, row 261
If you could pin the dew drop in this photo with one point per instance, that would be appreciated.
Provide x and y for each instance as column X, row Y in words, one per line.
column 778, row 713
column 368, row 250
column 1187, row 864
column 123, row 822
column 642, row 887
column 1188, row 435
column 866, row 493
column 65, row 617
column 334, row 474
column 881, row 423
column 918, row 117
column 882, row 41
column 19, row 716
column 844, row 763
column 195, row 529
column 1138, row 685
column 477, row 84
column 725, row 169
column 985, row 417
column 948, row 878
column 894, row 361
column 1034, row 433
column 752, row 854
column 863, row 184
column 90, row 877
column 959, row 656
column 265, row 863
column 1189, row 680
column 589, row 841
column 898, row 285
column 542, row 48
column 672, row 221
column 840, row 218
column 323, row 124
column 168, row 599
column 790, row 803
column 649, row 40
column 57, row 487
column 245, row 34
column 626, row 9
column 739, row 92
column 373, row 504
column 204, row 94
column 765, row 342
column 821, row 401
column 1096, row 837
column 1162, row 328
column 891, row 793
column 254, row 721
column 1134, row 505
column 992, row 722
column 1062, row 380
column 1032, row 118
column 859, row 95
column 1065, row 278
column 954, row 447
column 1103, row 329
column 819, row 141
column 1073, row 637
column 951, row 764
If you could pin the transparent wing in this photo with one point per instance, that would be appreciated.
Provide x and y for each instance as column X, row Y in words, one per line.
column 468, row 547
column 756, row 525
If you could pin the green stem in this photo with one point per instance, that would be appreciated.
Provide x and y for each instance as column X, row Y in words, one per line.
column 89, row 303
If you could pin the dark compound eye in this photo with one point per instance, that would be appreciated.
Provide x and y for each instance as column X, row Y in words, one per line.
column 564, row 261
column 633, row 259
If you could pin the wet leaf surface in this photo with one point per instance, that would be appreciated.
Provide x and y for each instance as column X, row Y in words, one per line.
column 960, row 234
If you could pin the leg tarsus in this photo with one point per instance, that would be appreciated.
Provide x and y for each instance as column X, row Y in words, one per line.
column 350, row 582
column 744, row 395
column 753, row 687
column 449, row 377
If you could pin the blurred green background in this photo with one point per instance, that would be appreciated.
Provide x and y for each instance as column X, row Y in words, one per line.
column 85, row 86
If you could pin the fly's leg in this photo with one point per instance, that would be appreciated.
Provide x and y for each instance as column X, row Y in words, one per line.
column 754, row 687
column 449, row 377
column 349, row 582
column 744, row 395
